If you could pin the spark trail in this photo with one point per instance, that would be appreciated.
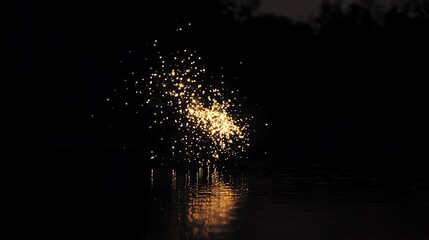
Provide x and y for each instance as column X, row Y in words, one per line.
column 209, row 122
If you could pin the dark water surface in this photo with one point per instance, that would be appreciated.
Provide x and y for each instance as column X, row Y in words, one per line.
column 265, row 201
column 81, row 194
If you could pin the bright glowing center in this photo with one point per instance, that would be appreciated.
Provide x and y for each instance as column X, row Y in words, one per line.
column 214, row 121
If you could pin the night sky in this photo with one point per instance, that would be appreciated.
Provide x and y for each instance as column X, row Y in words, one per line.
column 65, row 62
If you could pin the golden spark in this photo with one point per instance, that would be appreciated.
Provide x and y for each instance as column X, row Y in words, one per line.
column 207, row 116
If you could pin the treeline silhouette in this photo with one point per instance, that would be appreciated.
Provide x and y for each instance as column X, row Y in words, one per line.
column 349, row 83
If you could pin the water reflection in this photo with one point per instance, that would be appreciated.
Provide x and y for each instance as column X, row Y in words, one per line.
column 197, row 204
column 311, row 202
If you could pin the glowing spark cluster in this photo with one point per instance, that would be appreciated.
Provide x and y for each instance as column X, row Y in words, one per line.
column 207, row 116
column 215, row 121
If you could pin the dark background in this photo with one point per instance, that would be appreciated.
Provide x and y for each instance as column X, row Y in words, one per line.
column 347, row 86
column 350, row 81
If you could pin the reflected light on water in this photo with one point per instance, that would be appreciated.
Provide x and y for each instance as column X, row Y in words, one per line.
column 204, row 201
column 211, row 209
